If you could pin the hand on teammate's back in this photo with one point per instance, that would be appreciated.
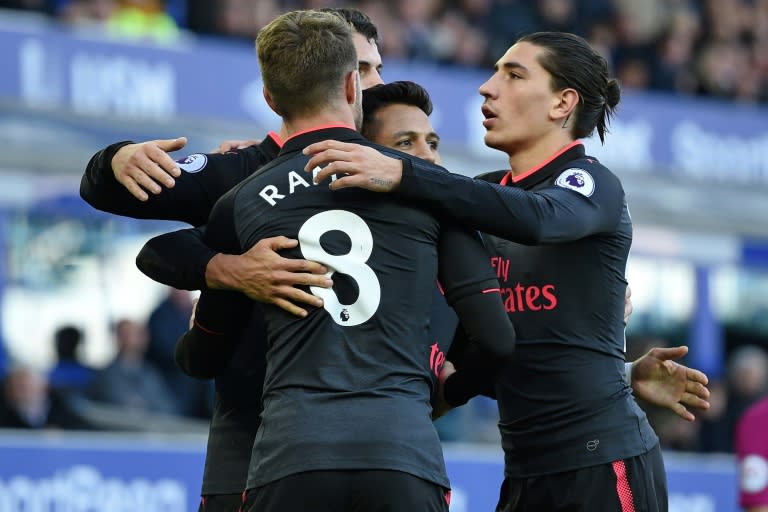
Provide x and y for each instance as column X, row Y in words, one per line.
column 144, row 167
column 354, row 166
column 263, row 275
column 659, row 380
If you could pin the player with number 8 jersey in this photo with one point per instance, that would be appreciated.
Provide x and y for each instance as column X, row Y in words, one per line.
column 346, row 421
column 359, row 367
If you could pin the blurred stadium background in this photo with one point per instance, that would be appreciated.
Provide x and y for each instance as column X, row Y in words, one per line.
column 690, row 144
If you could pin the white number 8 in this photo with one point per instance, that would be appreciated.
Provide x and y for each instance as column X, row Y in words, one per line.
column 352, row 264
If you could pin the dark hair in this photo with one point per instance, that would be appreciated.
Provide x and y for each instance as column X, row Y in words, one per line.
column 358, row 19
column 67, row 339
column 304, row 57
column 573, row 63
column 400, row 92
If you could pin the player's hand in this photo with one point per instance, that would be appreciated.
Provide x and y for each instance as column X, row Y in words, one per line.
column 232, row 145
column 353, row 165
column 143, row 167
column 659, row 380
column 628, row 308
column 441, row 406
column 263, row 275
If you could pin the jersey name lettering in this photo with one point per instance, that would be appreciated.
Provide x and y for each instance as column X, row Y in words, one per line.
column 271, row 194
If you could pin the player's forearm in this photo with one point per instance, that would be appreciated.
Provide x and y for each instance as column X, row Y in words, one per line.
column 177, row 259
column 486, row 323
column 221, row 272
column 472, row 289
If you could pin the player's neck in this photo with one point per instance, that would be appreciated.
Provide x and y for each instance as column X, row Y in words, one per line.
column 525, row 158
column 319, row 120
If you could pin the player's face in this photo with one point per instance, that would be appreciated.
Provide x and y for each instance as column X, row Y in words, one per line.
column 368, row 61
column 407, row 129
column 518, row 100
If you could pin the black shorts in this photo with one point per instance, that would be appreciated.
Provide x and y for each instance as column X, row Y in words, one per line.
column 636, row 484
column 349, row 491
column 221, row 503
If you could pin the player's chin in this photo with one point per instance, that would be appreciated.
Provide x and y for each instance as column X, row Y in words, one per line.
column 493, row 140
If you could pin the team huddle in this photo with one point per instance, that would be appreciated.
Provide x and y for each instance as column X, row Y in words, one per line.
column 352, row 291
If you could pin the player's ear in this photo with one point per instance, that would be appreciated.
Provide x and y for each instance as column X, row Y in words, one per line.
column 352, row 87
column 270, row 101
column 564, row 103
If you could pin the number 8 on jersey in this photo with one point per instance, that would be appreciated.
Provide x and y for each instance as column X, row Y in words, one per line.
column 352, row 264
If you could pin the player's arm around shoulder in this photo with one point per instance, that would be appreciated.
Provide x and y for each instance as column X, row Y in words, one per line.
column 178, row 259
column 142, row 180
column 472, row 289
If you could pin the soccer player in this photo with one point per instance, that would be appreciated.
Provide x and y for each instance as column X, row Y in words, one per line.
column 346, row 413
column 752, row 455
column 396, row 115
column 559, row 233
column 116, row 181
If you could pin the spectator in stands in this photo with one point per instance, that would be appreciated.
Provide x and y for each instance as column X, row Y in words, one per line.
column 669, row 45
column 27, row 402
column 143, row 19
column 69, row 373
column 167, row 322
column 240, row 19
column 87, row 12
column 714, row 432
column 130, row 380
column 747, row 382
column 673, row 64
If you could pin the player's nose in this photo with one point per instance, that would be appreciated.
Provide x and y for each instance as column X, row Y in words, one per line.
column 425, row 151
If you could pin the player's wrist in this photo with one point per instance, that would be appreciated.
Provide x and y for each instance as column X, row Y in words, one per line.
column 218, row 272
column 397, row 173
column 117, row 152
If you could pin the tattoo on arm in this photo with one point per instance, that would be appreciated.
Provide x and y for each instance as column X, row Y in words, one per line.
column 382, row 183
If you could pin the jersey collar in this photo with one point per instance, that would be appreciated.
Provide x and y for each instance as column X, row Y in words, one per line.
column 300, row 140
column 544, row 170
column 271, row 145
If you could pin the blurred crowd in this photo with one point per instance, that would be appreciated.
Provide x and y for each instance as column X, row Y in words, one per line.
column 716, row 48
column 139, row 389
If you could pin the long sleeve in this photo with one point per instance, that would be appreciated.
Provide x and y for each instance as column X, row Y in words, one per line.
column 205, row 350
column 476, row 371
column 203, row 180
column 548, row 215
column 177, row 259
column 472, row 290
column 221, row 316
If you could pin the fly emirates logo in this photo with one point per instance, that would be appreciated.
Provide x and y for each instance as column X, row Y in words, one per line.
column 523, row 297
